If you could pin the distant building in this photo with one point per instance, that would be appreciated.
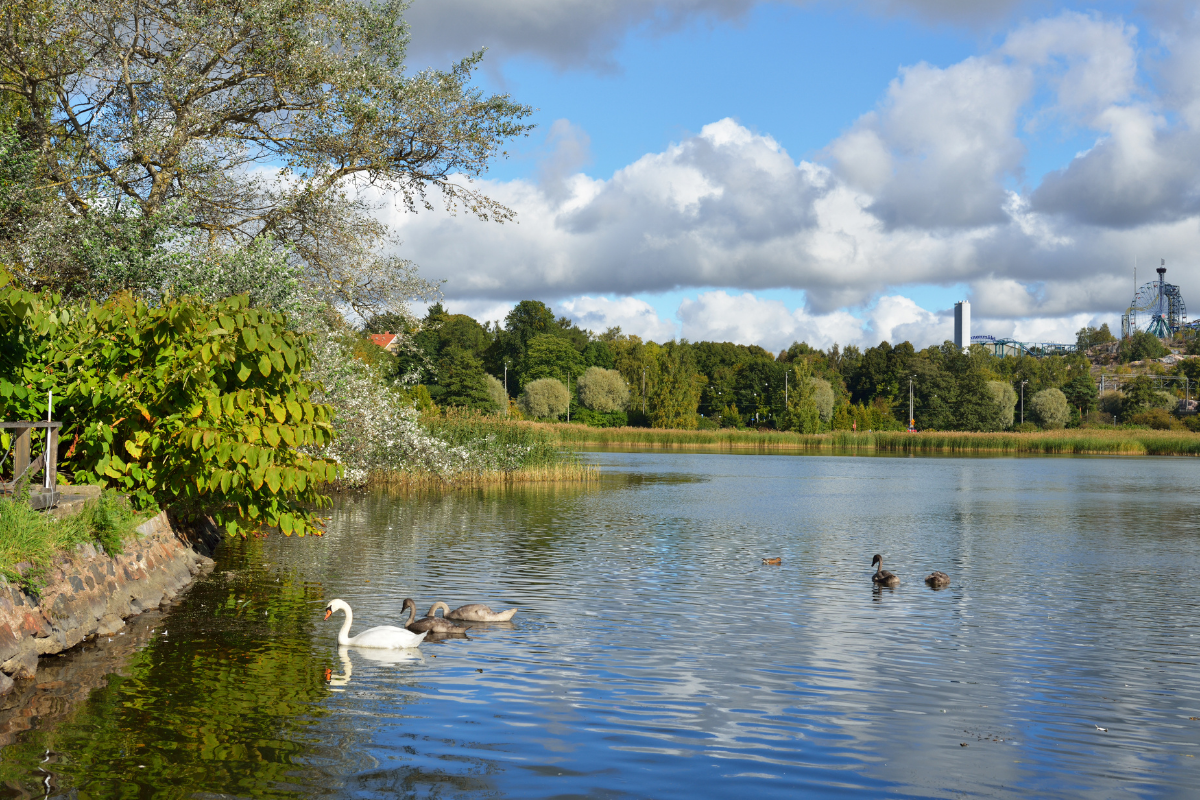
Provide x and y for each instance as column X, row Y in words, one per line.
column 962, row 325
column 388, row 341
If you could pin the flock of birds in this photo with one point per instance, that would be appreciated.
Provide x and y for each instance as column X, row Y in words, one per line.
column 936, row 579
column 390, row 637
column 415, row 630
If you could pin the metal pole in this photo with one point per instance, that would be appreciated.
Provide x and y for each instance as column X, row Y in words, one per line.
column 1023, row 401
column 785, row 391
column 912, row 422
column 568, row 397
column 643, row 391
column 46, row 458
column 506, row 388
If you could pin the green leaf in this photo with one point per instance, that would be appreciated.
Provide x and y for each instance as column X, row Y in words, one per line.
column 243, row 371
column 264, row 365
column 250, row 338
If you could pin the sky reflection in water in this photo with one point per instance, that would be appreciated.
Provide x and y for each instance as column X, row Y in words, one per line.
column 655, row 656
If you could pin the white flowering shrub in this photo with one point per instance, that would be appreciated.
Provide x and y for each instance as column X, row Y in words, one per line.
column 378, row 428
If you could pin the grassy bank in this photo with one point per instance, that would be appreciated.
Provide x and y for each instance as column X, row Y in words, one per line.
column 1069, row 441
column 510, row 453
column 34, row 538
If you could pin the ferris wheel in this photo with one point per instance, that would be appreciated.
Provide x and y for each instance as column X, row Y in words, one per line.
column 1159, row 306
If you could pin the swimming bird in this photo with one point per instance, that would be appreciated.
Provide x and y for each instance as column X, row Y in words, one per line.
column 775, row 561
column 429, row 622
column 474, row 612
column 938, row 580
column 384, row 636
column 882, row 577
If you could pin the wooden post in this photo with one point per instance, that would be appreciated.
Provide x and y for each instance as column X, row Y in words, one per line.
column 52, row 459
column 20, row 453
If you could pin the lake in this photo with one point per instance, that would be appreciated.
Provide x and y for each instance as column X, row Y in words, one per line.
column 655, row 655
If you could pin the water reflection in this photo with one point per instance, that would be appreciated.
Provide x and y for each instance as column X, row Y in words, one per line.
column 655, row 655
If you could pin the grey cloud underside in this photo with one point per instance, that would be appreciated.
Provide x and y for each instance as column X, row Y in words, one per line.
column 579, row 33
column 1109, row 188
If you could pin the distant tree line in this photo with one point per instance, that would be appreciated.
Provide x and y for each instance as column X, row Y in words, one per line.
column 544, row 366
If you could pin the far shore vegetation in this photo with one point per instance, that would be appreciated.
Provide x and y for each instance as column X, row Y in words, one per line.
column 1078, row 441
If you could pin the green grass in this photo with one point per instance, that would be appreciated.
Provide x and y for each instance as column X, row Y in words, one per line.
column 35, row 539
column 1083, row 441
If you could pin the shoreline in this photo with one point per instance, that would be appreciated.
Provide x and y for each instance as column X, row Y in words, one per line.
column 1072, row 441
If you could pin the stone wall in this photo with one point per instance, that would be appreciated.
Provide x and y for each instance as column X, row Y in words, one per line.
column 90, row 593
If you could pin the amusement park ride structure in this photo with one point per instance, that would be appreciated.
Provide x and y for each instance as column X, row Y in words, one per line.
column 1157, row 304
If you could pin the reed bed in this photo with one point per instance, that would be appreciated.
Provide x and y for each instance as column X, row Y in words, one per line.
column 1061, row 442
column 573, row 472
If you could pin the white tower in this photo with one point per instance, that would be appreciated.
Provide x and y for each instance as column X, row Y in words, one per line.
column 962, row 325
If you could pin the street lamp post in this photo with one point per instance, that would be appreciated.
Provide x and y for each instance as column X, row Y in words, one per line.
column 1023, row 401
column 912, row 421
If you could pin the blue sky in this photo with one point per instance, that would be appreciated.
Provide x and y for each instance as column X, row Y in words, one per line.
column 770, row 171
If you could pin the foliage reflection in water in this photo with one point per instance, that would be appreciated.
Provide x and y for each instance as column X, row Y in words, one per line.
column 654, row 655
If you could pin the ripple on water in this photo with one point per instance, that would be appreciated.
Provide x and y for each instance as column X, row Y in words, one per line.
column 654, row 655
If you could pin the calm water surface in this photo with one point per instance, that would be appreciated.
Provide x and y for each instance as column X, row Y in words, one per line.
column 655, row 656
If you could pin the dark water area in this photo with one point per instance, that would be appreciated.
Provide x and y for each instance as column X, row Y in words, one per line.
column 654, row 655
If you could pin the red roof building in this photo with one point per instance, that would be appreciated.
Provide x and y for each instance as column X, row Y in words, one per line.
column 388, row 341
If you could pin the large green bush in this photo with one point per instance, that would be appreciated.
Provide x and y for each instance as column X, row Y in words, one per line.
column 603, row 390
column 1005, row 398
column 1049, row 407
column 545, row 397
column 198, row 408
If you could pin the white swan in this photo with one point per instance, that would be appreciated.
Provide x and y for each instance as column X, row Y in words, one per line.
column 386, row 637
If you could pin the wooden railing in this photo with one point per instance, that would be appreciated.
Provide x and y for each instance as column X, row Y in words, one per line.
column 44, row 493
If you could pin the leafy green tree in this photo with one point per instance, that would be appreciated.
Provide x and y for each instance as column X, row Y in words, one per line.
column 550, row 356
column 1005, row 398
column 1141, row 346
column 463, row 381
column 1049, row 408
column 544, row 398
column 184, row 101
column 1139, row 394
column 499, row 397
column 597, row 353
column 1089, row 337
column 824, row 398
column 675, row 396
column 801, row 414
column 1081, row 392
column 603, row 390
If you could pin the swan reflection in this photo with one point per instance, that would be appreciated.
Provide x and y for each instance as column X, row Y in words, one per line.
column 338, row 681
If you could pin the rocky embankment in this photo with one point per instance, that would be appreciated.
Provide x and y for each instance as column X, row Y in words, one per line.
column 89, row 594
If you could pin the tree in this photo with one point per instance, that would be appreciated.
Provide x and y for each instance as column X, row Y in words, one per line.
column 1139, row 394
column 1081, row 392
column 140, row 110
column 801, row 414
column 464, row 383
column 823, row 398
column 495, row 390
column 1005, row 398
column 549, row 356
column 1141, row 346
column 1088, row 337
column 545, row 397
column 603, row 390
column 1049, row 408
column 675, row 396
